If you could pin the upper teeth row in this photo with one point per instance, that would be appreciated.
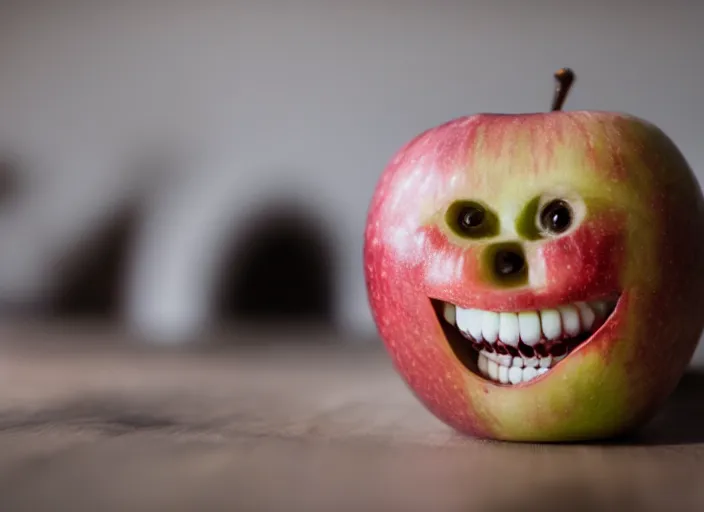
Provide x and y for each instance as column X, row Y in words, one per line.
column 527, row 326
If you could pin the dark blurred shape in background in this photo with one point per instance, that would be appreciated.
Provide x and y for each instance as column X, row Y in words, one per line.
column 91, row 282
column 280, row 271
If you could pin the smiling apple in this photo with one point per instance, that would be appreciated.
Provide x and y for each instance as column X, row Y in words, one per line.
column 538, row 276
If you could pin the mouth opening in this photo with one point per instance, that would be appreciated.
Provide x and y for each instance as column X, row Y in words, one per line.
column 511, row 348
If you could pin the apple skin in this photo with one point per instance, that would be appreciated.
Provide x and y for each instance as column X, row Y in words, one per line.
column 640, row 237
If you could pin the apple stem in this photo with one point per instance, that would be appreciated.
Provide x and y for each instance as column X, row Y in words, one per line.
column 564, row 78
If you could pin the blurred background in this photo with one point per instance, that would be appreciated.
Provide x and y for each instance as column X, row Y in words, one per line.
column 176, row 168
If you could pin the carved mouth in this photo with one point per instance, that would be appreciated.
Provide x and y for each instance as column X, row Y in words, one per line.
column 515, row 347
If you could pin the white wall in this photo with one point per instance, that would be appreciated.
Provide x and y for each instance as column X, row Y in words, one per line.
column 330, row 89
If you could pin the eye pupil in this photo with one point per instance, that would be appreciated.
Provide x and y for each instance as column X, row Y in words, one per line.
column 471, row 220
column 470, row 217
column 556, row 216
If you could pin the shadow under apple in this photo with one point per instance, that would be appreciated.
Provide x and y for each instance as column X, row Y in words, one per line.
column 681, row 419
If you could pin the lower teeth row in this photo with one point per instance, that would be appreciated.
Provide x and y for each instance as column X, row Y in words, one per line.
column 520, row 362
column 509, row 374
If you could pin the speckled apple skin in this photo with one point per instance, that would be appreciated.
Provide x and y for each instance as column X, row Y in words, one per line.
column 642, row 235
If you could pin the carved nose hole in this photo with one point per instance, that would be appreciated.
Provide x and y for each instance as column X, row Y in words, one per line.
column 508, row 262
column 505, row 264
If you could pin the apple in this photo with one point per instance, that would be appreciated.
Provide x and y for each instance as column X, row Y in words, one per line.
column 538, row 276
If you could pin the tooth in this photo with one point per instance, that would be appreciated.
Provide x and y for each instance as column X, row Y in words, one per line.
column 557, row 359
column 541, row 371
column 503, row 375
column 570, row 320
column 529, row 327
column 530, row 362
column 550, row 320
column 490, row 326
column 587, row 315
column 489, row 356
column 483, row 364
column 469, row 321
column 515, row 375
column 504, row 360
column 517, row 362
column 493, row 370
column 498, row 358
column 449, row 313
column 508, row 328
column 545, row 362
column 529, row 374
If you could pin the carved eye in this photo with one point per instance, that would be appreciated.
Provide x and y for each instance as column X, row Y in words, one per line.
column 470, row 219
column 556, row 216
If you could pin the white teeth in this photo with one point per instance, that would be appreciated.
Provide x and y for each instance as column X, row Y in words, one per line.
column 586, row 314
column 490, row 326
column 493, row 370
column 515, row 375
column 570, row 320
column 550, row 321
column 504, row 360
column 508, row 328
column 475, row 326
column 500, row 359
column 483, row 364
column 529, row 374
column 529, row 327
column 530, row 362
column 505, row 369
column 469, row 321
column 449, row 313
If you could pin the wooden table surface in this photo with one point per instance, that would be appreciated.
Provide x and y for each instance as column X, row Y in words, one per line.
column 91, row 423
